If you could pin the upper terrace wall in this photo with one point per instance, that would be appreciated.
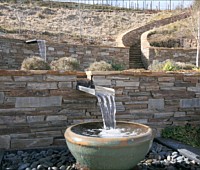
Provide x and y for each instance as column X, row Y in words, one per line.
column 133, row 36
column 37, row 106
column 13, row 52
column 149, row 53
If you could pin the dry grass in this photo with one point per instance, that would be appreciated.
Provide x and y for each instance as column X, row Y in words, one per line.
column 164, row 14
column 65, row 64
column 34, row 63
column 71, row 25
column 170, row 35
column 100, row 66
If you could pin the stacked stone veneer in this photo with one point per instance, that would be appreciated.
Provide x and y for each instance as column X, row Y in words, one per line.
column 149, row 53
column 13, row 52
column 37, row 106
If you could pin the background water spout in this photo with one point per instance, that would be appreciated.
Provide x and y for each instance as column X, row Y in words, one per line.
column 42, row 48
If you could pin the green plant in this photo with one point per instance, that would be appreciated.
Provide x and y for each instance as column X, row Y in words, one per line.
column 170, row 66
column 117, row 66
column 65, row 64
column 34, row 63
column 156, row 65
column 100, row 66
column 187, row 134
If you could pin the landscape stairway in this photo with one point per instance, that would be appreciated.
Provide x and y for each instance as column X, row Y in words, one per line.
column 135, row 61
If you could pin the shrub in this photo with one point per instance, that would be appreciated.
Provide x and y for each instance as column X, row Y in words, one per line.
column 183, row 134
column 100, row 66
column 65, row 64
column 185, row 66
column 117, row 67
column 170, row 65
column 34, row 63
column 156, row 65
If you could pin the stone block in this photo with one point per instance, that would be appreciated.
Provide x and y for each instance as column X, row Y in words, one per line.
column 190, row 103
column 60, row 52
column 28, row 78
column 127, row 83
column 17, row 110
column 26, row 102
column 51, row 49
column 61, row 78
column 194, row 89
column 102, row 82
column 42, row 86
column 64, row 85
column 163, row 115
column 166, row 84
column 6, row 78
column 1, row 97
column 12, row 119
column 6, row 86
column 156, row 104
column 28, row 51
column 57, row 117
column 31, row 142
column 173, row 88
column 120, row 107
column 4, row 142
column 31, row 119
column 49, row 134
column 143, row 121
column 120, row 77
column 179, row 114
column 166, row 79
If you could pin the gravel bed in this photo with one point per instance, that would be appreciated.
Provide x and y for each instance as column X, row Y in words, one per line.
column 159, row 157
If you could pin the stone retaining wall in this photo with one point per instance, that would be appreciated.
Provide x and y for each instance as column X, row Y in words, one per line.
column 132, row 37
column 37, row 106
column 149, row 53
column 13, row 52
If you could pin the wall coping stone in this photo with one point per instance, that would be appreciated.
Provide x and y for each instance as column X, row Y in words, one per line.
column 144, row 37
column 40, row 72
column 49, row 44
column 100, row 73
column 144, row 73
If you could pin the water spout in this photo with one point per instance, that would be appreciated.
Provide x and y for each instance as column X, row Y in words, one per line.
column 106, row 100
column 41, row 45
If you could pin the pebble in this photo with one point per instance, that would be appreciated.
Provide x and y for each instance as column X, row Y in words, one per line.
column 159, row 157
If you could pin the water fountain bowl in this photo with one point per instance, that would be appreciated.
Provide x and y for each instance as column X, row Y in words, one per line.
column 110, row 153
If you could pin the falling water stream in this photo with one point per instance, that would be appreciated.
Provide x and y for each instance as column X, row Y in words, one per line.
column 106, row 100
column 108, row 109
column 42, row 48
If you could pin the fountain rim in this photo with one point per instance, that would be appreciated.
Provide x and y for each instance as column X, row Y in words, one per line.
column 79, row 139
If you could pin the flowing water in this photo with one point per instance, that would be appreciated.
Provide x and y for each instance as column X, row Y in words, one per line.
column 108, row 109
column 106, row 101
column 42, row 48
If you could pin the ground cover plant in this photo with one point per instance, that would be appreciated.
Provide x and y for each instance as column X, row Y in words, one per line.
column 170, row 65
column 188, row 134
